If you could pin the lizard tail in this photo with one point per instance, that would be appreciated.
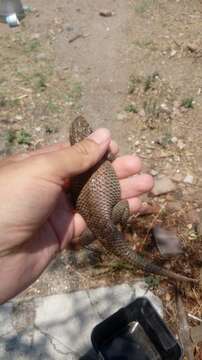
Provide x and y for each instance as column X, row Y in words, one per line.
column 121, row 248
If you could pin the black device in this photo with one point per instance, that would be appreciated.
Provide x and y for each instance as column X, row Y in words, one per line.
column 135, row 332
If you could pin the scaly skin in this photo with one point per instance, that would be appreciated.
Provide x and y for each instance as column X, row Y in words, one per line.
column 97, row 198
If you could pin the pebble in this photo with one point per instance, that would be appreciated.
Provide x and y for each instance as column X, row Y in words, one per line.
column 142, row 113
column 154, row 172
column 121, row 116
column 165, row 108
column 189, row 179
column 137, row 143
column 35, row 36
column 106, row 13
column 163, row 185
column 41, row 56
column 174, row 139
column 180, row 144
column 18, row 117
column 173, row 52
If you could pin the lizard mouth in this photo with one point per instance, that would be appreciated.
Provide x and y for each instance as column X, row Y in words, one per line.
column 79, row 130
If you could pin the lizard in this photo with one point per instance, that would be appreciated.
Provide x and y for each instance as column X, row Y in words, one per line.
column 97, row 198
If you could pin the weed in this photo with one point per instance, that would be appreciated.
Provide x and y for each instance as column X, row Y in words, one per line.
column 133, row 83
column 74, row 95
column 188, row 103
column 131, row 108
column 152, row 281
column 119, row 265
column 40, row 81
column 23, row 137
column 53, row 107
column 3, row 101
column 32, row 45
column 10, row 136
column 151, row 108
column 150, row 80
column 50, row 130
column 143, row 6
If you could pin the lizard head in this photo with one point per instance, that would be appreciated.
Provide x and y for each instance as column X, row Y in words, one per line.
column 79, row 130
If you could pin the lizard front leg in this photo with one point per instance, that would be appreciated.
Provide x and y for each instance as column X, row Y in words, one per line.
column 121, row 213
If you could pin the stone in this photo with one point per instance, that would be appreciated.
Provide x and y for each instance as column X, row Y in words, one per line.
column 121, row 116
column 154, row 172
column 166, row 241
column 180, row 144
column 188, row 179
column 196, row 334
column 163, row 185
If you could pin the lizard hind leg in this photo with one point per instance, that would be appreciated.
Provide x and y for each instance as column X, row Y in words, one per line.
column 121, row 213
column 86, row 238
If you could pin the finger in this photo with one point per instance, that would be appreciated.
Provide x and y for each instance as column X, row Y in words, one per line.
column 47, row 149
column 127, row 165
column 136, row 185
column 77, row 225
column 113, row 147
column 75, row 159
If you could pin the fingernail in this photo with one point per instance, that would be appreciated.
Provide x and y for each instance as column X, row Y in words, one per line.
column 100, row 135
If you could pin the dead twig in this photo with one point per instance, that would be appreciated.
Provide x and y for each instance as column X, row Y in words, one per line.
column 184, row 330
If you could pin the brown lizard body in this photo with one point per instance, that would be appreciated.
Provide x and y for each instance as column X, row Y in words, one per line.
column 97, row 197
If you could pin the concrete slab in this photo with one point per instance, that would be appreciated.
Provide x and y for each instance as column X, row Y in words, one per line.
column 59, row 326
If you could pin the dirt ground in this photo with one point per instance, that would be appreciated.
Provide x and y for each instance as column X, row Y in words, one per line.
column 137, row 72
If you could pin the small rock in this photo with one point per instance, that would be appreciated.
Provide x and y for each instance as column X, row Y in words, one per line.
column 137, row 143
column 35, row 36
column 177, row 177
column 165, row 108
column 188, row 179
column 106, row 13
column 163, row 185
column 173, row 53
column 192, row 47
column 166, row 241
column 41, row 56
column 121, row 116
column 154, row 172
column 68, row 27
column 18, row 117
column 142, row 113
column 174, row 139
column 196, row 334
column 180, row 144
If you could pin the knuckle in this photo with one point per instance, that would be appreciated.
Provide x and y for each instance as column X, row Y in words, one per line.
column 85, row 149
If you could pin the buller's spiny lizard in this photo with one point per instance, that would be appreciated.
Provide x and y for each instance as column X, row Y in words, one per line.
column 97, row 198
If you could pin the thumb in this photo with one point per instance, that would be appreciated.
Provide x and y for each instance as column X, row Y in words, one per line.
column 76, row 159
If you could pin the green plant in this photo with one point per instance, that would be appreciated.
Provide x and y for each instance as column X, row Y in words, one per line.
column 152, row 281
column 131, row 108
column 40, row 81
column 50, row 129
column 10, row 136
column 3, row 101
column 132, row 84
column 188, row 103
column 150, row 80
column 32, row 45
column 23, row 137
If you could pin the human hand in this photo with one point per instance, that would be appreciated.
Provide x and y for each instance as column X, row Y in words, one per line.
column 37, row 219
